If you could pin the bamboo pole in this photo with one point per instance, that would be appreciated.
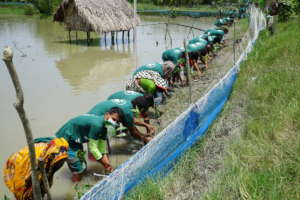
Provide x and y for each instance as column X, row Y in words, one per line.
column 188, row 68
column 7, row 58
column 135, row 36
column 234, row 41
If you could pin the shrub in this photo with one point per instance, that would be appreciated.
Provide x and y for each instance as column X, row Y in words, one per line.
column 29, row 10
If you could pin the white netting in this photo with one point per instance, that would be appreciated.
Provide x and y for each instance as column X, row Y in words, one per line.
column 159, row 155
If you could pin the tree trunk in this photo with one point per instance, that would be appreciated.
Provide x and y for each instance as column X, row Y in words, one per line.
column 7, row 58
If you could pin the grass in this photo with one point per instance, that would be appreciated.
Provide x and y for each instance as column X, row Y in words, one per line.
column 263, row 163
column 12, row 10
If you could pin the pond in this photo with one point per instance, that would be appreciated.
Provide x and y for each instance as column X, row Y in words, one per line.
column 62, row 80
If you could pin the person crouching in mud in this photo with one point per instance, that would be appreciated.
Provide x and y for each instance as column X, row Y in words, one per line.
column 93, row 130
column 17, row 172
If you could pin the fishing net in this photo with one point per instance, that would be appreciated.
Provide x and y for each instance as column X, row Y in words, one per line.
column 165, row 149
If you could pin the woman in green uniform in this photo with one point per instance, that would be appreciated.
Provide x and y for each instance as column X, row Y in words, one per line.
column 89, row 129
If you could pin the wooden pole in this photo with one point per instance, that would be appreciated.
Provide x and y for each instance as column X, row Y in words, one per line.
column 88, row 37
column 117, row 37
column 105, row 38
column 112, row 38
column 234, row 41
column 41, row 166
column 7, row 58
column 70, row 36
column 128, row 35
column 123, row 33
column 188, row 68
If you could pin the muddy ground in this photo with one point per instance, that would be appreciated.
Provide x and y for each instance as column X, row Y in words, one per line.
column 209, row 160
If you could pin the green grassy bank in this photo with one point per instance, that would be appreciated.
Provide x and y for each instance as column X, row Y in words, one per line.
column 264, row 163
column 260, row 161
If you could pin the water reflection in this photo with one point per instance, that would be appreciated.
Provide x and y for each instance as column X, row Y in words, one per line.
column 88, row 69
column 62, row 80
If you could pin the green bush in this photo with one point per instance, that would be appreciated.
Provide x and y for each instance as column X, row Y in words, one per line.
column 287, row 8
column 29, row 10
column 44, row 6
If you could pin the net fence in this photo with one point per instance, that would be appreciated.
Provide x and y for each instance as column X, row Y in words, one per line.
column 165, row 149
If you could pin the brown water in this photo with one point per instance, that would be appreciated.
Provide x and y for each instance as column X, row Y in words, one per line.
column 62, row 80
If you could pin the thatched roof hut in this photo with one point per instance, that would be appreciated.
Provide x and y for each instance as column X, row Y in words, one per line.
column 96, row 15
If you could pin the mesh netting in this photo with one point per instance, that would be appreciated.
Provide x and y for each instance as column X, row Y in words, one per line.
column 160, row 154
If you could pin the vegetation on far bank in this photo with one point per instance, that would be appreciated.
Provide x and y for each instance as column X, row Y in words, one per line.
column 263, row 163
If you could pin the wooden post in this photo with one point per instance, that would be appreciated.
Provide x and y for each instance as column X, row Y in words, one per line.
column 7, row 58
column 76, row 37
column 128, row 35
column 188, row 68
column 105, row 38
column 234, row 41
column 123, row 33
column 88, row 37
column 112, row 38
column 70, row 36
column 117, row 37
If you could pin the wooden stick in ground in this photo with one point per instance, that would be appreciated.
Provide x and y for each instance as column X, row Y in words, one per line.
column 41, row 166
column 7, row 58
column 188, row 69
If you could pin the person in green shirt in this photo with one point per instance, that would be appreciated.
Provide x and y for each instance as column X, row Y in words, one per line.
column 125, row 94
column 93, row 130
column 164, row 69
column 134, row 97
column 131, row 112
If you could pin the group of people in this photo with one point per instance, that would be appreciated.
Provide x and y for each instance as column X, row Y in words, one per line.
column 149, row 87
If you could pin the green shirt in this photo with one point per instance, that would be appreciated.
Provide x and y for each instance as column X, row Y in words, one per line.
column 196, row 47
column 198, row 39
column 157, row 67
column 209, row 38
column 82, row 128
column 104, row 106
column 126, row 94
column 216, row 32
column 173, row 55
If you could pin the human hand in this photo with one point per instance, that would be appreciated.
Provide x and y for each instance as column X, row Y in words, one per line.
column 150, row 130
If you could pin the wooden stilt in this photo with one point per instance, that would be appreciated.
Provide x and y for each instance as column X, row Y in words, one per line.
column 112, row 38
column 117, row 37
column 105, row 38
column 70, row 36
column 88, row 38
column 123, row 33
column 128, row 35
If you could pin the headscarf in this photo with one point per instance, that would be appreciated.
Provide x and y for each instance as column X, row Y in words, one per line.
column 168, row 68
column 17, row 172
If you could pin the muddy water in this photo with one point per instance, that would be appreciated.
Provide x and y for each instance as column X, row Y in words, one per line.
column 62, row 80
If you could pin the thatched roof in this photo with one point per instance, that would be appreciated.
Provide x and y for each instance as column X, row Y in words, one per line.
column 96, row 15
